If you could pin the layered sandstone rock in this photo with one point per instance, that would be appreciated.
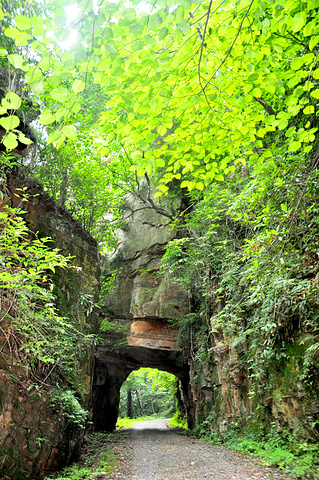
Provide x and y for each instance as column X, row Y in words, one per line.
column 34, row 437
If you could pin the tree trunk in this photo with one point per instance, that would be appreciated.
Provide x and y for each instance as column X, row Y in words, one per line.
column 139, row 402
column 129, row 405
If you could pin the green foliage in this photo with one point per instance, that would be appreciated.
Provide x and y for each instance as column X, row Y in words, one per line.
column 178, row 421
column 206, row 429
column 150, row 391
column 276, row 449
column 46, row 345
column 95, row 459
column 92, row 187
column 195, row 93
column 27, row 302
column 75, row 472
column 279, row 450
column 66, row 402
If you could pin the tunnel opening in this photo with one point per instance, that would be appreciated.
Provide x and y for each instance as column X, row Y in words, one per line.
column 149, row 393
column 113, row 365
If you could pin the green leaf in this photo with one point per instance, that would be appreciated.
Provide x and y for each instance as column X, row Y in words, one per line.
column 45, row 63
column 160, row 162
column 315, row 93
column 309, row 110
column 294, row 146
column 22, row 22
column 282, row 124
column 110, row 47
column 16, row 60
column 313, row 42
column 11, row 101
column 24, row 139
column 111, row 7
column 297, row 63
column 161, row 130
column 220, row 178
column 3, row 52
column 70, row 131
column 200, row 186
column 299, row 20
column 184, row 26
column 136, row 28
column 315, row 74
column 137, row 45
column 37, row 87
column 163, row 33
column 76, row 107
column 61, row 94
column 10, row 123
column 11, row 32
column 154, row 21
column 78, row 86
column 54, row 137
column 47, row 117
column 10, row 141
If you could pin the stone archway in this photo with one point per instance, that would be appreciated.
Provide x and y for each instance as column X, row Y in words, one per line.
column 114, row 364
column 140, row 312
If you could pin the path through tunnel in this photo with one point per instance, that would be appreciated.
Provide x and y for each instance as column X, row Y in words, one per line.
column 114, row 364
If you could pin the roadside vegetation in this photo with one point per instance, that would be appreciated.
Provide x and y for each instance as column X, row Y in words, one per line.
column 97, row 457
column 279, row 450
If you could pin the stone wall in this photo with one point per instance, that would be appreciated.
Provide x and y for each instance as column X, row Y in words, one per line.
column 34, row 437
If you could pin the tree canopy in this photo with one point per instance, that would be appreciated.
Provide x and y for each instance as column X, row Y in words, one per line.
column 190, row 91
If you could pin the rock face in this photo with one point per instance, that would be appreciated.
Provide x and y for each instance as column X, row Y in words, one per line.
column 215, row 375
column 222, row 391
column 35, row 438
column 139, row 292
column 144, row 306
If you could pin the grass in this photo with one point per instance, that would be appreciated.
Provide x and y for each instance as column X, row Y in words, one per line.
column 128, row 422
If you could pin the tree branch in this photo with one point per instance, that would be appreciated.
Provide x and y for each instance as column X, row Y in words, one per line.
column 159, row 210
column 267, row 107
column 230, row 48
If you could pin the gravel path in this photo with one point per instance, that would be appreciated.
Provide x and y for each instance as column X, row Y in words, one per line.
column 152, row 451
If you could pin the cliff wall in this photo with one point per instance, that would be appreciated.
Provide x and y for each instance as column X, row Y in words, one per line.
column 35, row 436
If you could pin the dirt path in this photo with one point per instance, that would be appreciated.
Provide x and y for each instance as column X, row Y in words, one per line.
column 152, row 451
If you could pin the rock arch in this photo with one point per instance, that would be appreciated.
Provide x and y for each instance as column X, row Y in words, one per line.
column 114, row 364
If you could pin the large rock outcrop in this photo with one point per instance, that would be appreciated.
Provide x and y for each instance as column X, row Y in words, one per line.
column 140, row 312
column 224, row 389
column 35, row 438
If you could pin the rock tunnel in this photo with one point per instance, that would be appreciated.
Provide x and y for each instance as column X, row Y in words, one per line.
column 141, row 310
column 151, row 343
